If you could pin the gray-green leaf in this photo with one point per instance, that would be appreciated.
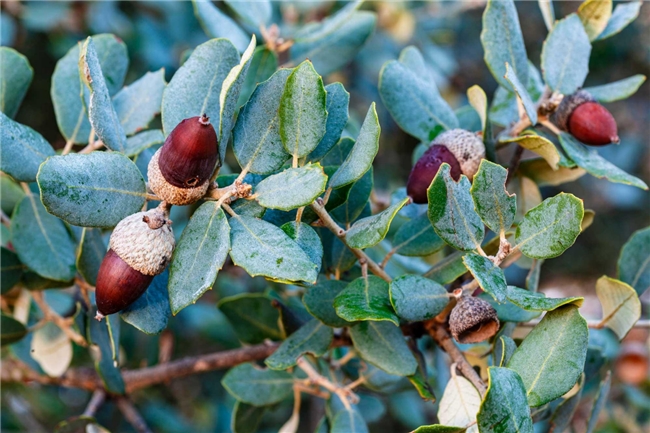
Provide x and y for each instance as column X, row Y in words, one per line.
column 292, row 188
column 532, row 301
column 94, row 190
column 495, row 206
column 319, row 301
column 90, row 254
column 551, row 227
column 23, row 150
column 522, row 93
column 617, row 90
column 551, row 358
column 382, row 344
column 634, row 261
column 489, row 276
column 504, row 408
column 198, row 256
column 338, row 100
column 451, row 211
column 416, row 298
column 150, row 312
column 15, row 77
column 252, row 316
column 623, row 14
column 313, row 337
column 365, row 299
column 565, row 55
column 256, row 386
column 369, row 231
column 216, row 24
column 142, row 141
column 137, row 104
column 417, row 238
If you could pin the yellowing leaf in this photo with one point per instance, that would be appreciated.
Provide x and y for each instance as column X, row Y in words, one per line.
column 621, row 305
column 460, row 403
column 52, row 349
column 594, row 15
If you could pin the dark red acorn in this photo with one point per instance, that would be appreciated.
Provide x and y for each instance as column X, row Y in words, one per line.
column 118, row 284
column 425, row 170
column 190, row 153
column 588, row 121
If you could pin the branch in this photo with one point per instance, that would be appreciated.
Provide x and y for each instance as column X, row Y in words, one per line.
column 98, row 398
column 346, row 395
column 132, row 415
column 328, row 222
column 52, row 316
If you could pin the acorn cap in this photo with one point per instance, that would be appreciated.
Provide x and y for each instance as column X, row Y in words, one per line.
column 168, row 192
column 466, row 146
column 426, row 168
column 473, row 320
column 145, row 241
column 566, row 107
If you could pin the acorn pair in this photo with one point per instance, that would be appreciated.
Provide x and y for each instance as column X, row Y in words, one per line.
column 141, row 245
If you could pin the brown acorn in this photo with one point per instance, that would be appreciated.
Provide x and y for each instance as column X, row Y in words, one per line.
column 473, row 320
column 581, row 116
column 461, row 149
column 179, row 172
column 140, row 248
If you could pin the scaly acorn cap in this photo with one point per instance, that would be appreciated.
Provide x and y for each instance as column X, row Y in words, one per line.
column 566, row 107
column 145, row 241
column 168, row 192
column 473, row 320
column 466, row 146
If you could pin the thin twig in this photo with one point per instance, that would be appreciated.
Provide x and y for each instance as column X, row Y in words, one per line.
column 5, row 218
column 347, row 397
column 387, row 258
column 97, row 399
column 554, row 129
column 64, row 324
column 132, row 415
column 68, row 147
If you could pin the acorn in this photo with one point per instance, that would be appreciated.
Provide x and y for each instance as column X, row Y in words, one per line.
column 461, row 149
column 473, row 320
column 581, row 116
column 179, row 172
column 140, row 248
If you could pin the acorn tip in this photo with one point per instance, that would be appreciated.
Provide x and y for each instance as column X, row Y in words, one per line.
column 99, row 316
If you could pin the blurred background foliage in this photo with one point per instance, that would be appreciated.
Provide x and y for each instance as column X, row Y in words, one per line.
column 158, row 33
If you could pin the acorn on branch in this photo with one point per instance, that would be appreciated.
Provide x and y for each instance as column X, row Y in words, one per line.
column 461, row 149
column 473, row 320
column 581, row 116
column 140, row 248
column 179, row 172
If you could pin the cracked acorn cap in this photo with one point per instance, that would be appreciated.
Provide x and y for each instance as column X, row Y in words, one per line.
column 179, row 172
column 473, row 320
column 140, row 248
column 581, row 116
column 461, row 149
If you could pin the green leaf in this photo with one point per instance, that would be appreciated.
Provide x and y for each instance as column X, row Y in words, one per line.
column 338, row 100
column 448, row 269
column 229, row 97
column 503, row 42
column 252, row 316
column 264, row 249
column 488, row 275
column 195, row 87
column 546, row 7
column 563, row 415
column 522, row 93
column 11, row 330
column 551, row 358
column 492, row 202
column 261, row 67
column 216, row 24
column 198, row 256
column 349, row 421
column 10, row 194
column 451, row 211
column 382, row 344
column 101, row 113
column 319, row 301
column 15, row 77
column 256, row 137
column 416, row 298
column 594, row 15
column 246, row 418
column 334, row 41
column 142, row 141
column 307, row 239
column 23, row 150
column 360, row 158
column 599, row 402
column 252, row 13
column 313, row 337
column 565, row 55
column 596, row 165
column 66, row 84
column 256, row 386
column 634, row 262
column 509, row 312
column 417, row 238
column 292, row 188
column 303, row 111
column 137, row 104
column 504, row 408
column 624, row 14
column 150, row 312
column 460, row 403
column 504, row 109
column 103, row 337
column 93, row 190
column 621, row 305
column 365, row 299
column 504, row 347
column 90, row 254
column 437, row 428
column 617, row 90
column 532, row 301
column 358, row 197
column 369, row 231
column 478, row 100
column 11, row 270
column 550, row 228
column 42, row 241
column 414, row 102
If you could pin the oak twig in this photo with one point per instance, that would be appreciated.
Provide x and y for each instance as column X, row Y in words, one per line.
column 132, row 415
column 64, row 324
column 97, row 399
column 346, row 395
